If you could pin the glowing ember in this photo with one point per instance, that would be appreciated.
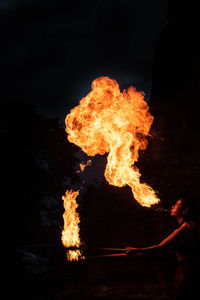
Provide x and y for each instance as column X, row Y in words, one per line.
column 70, row 233
column 108, row 121
column 83, row 166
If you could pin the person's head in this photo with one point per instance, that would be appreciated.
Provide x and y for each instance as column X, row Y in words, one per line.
column 183, row 208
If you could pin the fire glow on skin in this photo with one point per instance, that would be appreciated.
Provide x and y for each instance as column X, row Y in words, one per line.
column 108, row 121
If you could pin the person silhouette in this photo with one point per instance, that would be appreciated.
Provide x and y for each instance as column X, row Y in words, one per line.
column 185, row 241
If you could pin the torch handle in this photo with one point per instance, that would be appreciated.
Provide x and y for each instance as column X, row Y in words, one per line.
column 106, row 256
column 96, row 249
column 107, row 249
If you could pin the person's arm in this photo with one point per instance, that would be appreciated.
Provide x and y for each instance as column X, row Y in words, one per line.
column 168, row 243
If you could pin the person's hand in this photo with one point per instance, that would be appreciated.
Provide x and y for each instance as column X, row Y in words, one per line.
column 133, row 252
column 130, row 250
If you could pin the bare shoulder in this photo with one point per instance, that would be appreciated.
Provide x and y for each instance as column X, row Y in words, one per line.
column 188, row 225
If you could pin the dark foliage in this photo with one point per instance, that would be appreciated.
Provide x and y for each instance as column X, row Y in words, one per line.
column 36, row 158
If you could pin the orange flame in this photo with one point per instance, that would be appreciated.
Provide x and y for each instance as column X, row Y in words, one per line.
column 70, row 233
column 83, row 165
column 108, row 121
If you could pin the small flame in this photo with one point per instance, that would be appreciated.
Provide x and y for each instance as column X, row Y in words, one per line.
column 83, row 165
column 70, row 233
column 74, row 255
column 108, row 121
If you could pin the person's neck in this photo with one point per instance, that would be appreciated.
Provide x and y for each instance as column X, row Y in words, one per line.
column 180, row 220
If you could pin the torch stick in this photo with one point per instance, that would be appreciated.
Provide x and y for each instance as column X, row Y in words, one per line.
column 107, row 249
column 96, row 248
column 111, row 255
column 93, row 257
column 107, row 256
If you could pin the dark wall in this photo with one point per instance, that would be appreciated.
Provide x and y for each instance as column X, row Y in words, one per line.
column 174, row 149
column 175, row 94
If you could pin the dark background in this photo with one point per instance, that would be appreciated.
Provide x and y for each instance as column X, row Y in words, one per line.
column 55, row 49
column 50, row 53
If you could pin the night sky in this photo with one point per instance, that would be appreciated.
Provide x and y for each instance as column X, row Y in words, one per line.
column 53, row 50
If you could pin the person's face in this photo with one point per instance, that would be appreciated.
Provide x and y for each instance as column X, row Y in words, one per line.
column 177, row 209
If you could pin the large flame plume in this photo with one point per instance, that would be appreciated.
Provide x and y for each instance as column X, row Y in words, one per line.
column 108, row 121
